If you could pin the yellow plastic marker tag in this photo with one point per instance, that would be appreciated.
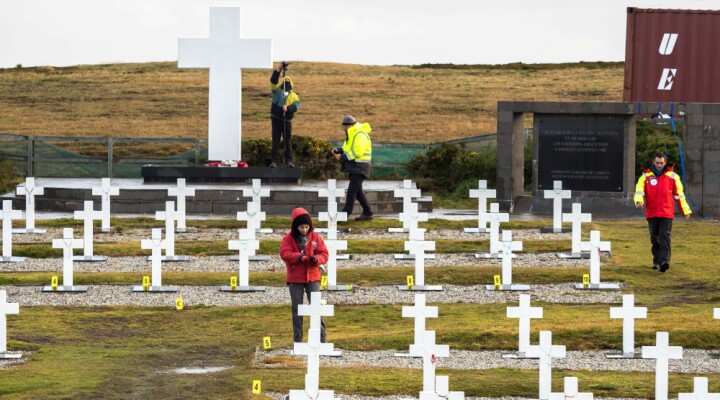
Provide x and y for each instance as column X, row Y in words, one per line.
column 266, row 343
column 324, row 282
column 257, row 387
column 586, row 280
column 179, row 304
column 54, row 282
column 410, row 282
column 233, row 283
column 497, row 281
column 146, row 283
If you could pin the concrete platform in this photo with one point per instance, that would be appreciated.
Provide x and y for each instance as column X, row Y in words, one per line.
column 137, row 197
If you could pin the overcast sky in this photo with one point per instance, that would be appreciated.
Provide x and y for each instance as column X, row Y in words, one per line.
column 379, row 32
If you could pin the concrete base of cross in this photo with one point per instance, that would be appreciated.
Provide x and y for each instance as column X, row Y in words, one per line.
column 487, row 255
column 172, row 258
column 12, row 259
column 598, row 286
column 518, row 356
column 573, row 255
column 339, row 288
column 243, row 289
column 325, row 230
column 508, row 287
column 29, row 231
column 264, row 230
column 476, row 230
column 6, row 356
column 403, row 230
column 90, row 258
column 261, row 257
column 156, row 289
column 616, row 354
column 412, row 256
column 185, row 230
column 420, row 288
column 714, row 354
column 554, row 230
column 65, row 289
column 343, row 257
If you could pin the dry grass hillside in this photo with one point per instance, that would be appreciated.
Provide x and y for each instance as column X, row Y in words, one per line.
column 418, row 104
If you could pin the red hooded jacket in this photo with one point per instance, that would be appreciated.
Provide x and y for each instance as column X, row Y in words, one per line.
column 302, row 272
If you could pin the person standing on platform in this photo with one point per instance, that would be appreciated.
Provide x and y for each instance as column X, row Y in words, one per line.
column 355, row 157
column 285, row 103
column 655, row 190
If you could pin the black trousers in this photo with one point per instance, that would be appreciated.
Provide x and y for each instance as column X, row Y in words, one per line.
column 355, row 191
column 660, row 229
column 296, row 295
column 278, row 131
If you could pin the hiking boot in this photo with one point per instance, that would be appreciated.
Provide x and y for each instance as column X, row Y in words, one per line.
column 364, row 217
column 290, row 165
column 665, row 266
column 273, row 165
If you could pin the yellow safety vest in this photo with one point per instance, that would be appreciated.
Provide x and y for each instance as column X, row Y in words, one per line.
column 358, row 145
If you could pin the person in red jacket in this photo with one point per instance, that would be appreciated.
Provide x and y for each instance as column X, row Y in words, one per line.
column 303, row 251
column 655, row 190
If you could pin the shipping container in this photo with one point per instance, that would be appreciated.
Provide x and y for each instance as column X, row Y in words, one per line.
column 672, row 56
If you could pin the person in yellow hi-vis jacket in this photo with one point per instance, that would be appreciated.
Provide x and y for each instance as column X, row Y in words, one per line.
column 655, row 190
column 285, row 103
column 355, row 157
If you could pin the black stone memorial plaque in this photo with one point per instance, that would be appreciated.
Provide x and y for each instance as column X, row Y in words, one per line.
column 586, row 153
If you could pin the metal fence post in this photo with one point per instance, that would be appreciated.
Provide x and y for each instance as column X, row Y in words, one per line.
column 110, row 157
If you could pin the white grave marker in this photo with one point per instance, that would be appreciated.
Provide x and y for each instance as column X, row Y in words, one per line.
column 483, row 194
column 7, row 216
column 429, row 351
column 419, row 312
column 700, row 391
column 181, row 192
column 247, row 245
column 628, row 312
column 545, row 351
column 169, row 216
column 495, row 217
column 332, row 217
column 594, row 247
column 6, row 309
column 407, row 192
column 570, row 391
column 506, row 253
column 67, row 244
column 442, row 391
column 157, row 245
column 88, row 215
column 417, row 245
column 413, row 217
column 557, row 194
column 224, row 53
column 662, row 352
column 577, row 217
column 332, row 192
column 333, row 246
column 105, row 191
column 523, row 313
column 256, row 193
column 29, row 191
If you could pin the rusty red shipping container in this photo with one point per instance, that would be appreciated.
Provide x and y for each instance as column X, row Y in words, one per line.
column 672, row 56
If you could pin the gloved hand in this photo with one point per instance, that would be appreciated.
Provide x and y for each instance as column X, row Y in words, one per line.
column 304, row 259
column 314, row 260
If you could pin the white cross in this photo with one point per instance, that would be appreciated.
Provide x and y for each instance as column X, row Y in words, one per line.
column 442, row 391
column 253, row 216
column 225, row 54
column 662, row 352
column 506, row 253
column 67, row 243
column 570, row 390
column 168, row 216
column 257, row 192
column 411, row 217
column 88, row 215
column 557, row 194
column 247, row 245
column 577, row 218
column 417, row 246
column 483, row 194
column 419, row 311
column 332, row 192
column 105, row 191
column 716, row 313
column 7, row 216
column 700, row 392
column 545, row 351
column 407, row 192
column 595, row 246
column 429, row 351
column 5, row 309
column 524, row 313
column 332, row 216
column 333, row 246
column 157, row 245
column 181, row 192
column 30, row 191
column 496, row 217
column 628, row 312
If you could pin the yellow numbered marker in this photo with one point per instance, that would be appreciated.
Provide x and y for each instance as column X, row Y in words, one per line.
column 179, row 304
column 497, row 281
column 257, row 387
column 54, row 282
column 146, row 283
column 233, row 283
column 410, row 282
column 323, row 282
column 586, row 280
column 266, row 343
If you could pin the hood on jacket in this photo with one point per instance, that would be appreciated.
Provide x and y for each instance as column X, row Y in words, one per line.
column 294, row 216
column 287, row 78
